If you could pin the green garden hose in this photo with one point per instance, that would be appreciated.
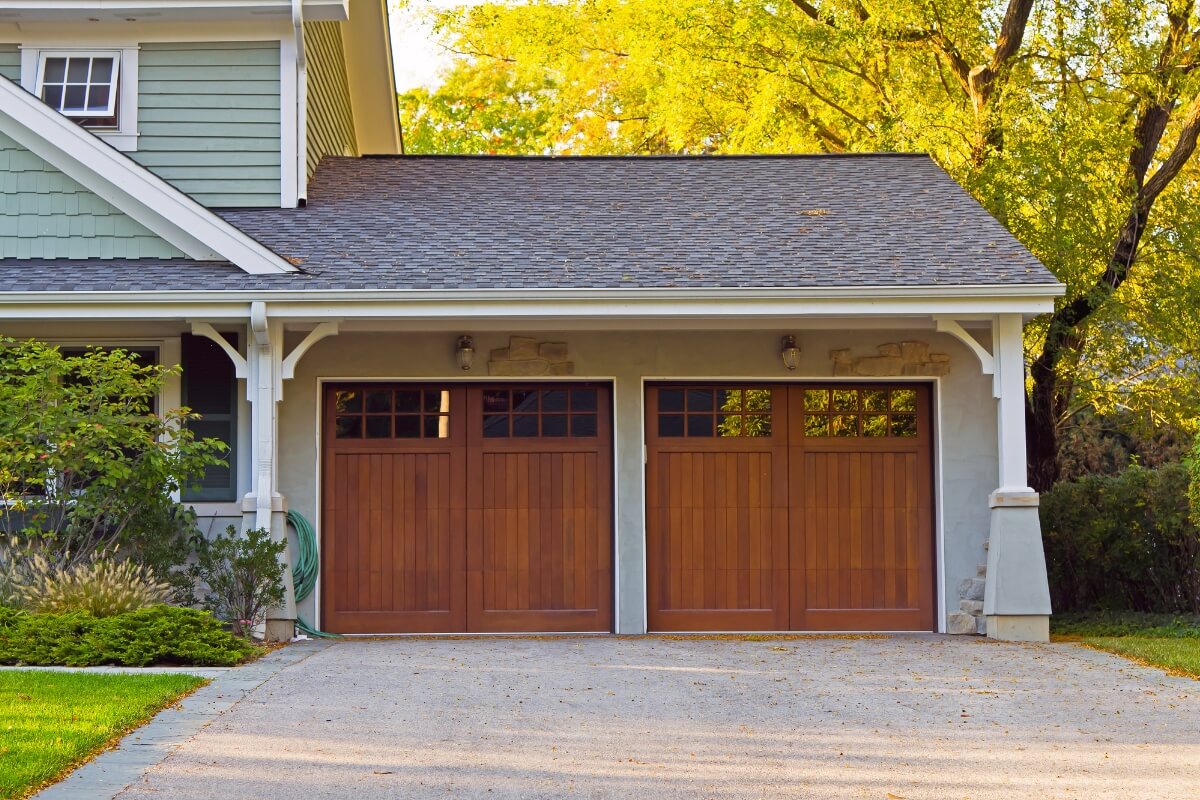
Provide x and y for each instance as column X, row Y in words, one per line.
column 305, row 569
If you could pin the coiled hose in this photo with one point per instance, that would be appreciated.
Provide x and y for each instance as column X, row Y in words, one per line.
column 305, row 569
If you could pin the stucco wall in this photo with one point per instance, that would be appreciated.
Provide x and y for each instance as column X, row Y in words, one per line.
column 966, row 457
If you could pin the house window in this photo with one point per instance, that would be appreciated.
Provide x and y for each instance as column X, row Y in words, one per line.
column 97, row 88
column 82, row 86
column 210, row 390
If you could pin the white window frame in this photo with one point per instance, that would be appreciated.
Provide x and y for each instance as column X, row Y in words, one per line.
column 125, row 136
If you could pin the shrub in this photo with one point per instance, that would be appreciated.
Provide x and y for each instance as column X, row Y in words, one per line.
column 1123, row 543
column 243, row 575
column 86, row 463
column 155, row 635
column 103, row 587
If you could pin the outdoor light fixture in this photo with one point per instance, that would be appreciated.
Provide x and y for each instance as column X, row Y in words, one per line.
column 465, row 352
column 789, row 351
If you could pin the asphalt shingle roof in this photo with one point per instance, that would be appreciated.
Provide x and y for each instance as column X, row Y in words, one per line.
column 447, row 222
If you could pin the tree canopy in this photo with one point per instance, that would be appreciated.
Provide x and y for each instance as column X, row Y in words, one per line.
column 1074, row 122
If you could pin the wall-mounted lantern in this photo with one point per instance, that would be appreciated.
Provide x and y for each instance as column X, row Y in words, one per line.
column 464, row 351
column 789, row 351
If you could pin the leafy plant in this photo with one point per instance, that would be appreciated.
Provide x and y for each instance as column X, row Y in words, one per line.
column 103, row 587
column 87, row 464
column 243, row 576
column 1123, row 543
column 156, row 635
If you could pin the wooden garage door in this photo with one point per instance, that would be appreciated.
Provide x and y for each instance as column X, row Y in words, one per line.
column 822, row 494
column 454, row 508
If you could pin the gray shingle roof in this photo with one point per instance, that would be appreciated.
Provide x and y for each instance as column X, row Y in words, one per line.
column 447, row 222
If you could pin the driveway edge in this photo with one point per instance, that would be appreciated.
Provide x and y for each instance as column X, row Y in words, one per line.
column 111, row 772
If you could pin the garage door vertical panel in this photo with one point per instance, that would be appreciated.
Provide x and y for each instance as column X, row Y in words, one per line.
column 717, row 507
column 862, row 543
column 394, row 510
column 540, row 530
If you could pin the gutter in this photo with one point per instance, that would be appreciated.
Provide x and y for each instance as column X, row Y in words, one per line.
column 869, row 294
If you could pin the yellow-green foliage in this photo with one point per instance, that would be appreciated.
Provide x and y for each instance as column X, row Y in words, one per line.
column 103, row 587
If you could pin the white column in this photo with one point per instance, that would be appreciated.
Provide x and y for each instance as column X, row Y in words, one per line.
column 1016, row 601
column 265, row 359
column 1009, row 355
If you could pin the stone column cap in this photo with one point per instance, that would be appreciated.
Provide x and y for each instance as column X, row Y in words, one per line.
column 1013, row 498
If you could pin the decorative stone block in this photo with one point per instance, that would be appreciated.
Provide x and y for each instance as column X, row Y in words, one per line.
column 972, row 607
column 960, row 623
column 553, row 351
column 525, row 357
column 906, row 358
column 971, row 589
column 522, row 347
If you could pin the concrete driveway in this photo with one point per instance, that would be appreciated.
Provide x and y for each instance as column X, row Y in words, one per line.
column 897, row 717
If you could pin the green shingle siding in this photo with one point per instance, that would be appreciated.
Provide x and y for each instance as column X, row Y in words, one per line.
column 209, row 120
column 330, row 116
column 10, row 62
column 45, row 214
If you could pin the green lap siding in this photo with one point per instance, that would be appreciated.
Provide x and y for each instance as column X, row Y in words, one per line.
column 209, row 120
column 10, row 62
column 45, row 214
column 330, row 116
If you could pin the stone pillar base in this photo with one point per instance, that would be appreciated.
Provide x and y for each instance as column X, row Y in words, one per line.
column 1023, row 628
column 279, row 630
column 1016, row 601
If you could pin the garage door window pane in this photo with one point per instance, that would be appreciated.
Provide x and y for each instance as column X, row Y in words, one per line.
column 816, row 425
column 349, row 427
column 408, row 401
column 729, row 399
column 758, row 400
column 495, row 400
column 348, row 402
column 495, row 426
column 525, row 425
column 583, row 399
column 845, row 400
column 904, row 400
column 729, row 425
column 554, row 425
column 874, row 400
column 670, row 425
column 670, row 399
column 583, row 425
column 379, row 402
column 379, row 427
column 758, row 426
column 408, row 427
column 844, row 425
column 816, row 400
column 699, row 425
column 554, row 400
column 875, row 425
column 699, row 400
column 904, row 425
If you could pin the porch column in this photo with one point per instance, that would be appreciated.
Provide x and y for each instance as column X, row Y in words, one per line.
column 1016, row 602
column 264, row 507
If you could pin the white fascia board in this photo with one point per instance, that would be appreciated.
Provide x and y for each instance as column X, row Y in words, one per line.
column 146, row 198
column 337, row 10
column 567, row 305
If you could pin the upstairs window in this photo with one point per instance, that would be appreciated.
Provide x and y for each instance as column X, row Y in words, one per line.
column 82, row 85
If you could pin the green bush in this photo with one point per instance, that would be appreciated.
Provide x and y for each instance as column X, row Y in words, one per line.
column 1123, row 542
column 155, row 635
column 243, row 575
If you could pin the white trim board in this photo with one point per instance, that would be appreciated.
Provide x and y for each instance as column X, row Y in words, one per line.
column 136, row 191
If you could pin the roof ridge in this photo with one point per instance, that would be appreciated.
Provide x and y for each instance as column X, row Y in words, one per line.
column 610, row 157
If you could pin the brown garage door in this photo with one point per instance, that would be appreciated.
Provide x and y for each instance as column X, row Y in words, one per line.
column 802, row 507
column 452, row 508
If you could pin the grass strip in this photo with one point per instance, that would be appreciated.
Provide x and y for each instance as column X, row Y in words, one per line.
column 51, row 722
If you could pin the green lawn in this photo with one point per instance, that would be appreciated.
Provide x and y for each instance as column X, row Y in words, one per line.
column 1160, row 640
column 50, row 722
